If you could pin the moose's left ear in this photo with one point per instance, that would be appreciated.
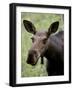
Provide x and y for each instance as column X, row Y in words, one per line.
column 53, row 27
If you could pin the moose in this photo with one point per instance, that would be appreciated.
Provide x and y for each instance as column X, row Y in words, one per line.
column 48, row 44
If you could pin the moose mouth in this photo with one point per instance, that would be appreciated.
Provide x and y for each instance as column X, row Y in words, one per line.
column 32, row 60
column 33, row 64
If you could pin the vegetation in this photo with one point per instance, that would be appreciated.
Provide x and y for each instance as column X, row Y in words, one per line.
column 41, row 21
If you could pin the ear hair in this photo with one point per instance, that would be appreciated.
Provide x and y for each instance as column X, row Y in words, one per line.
column 29, row 26
column 53, row 27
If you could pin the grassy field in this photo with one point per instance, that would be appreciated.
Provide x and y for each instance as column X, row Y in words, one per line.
column 41, row 22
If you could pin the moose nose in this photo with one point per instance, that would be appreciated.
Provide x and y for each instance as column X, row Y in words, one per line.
column 32, row 55
column 32, row 52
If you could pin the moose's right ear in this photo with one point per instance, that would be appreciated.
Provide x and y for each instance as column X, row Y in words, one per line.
column 29, row 26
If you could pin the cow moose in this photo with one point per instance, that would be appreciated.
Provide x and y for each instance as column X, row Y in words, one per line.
column 48, row 44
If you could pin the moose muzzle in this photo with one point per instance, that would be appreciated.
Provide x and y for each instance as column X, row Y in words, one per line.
column 32, row 57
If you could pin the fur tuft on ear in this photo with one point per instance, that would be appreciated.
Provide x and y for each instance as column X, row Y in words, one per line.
column 29, row 26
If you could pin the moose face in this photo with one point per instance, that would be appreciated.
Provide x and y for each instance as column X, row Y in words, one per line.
column 39, row 40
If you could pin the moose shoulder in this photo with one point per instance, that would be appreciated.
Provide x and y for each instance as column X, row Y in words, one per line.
column 49, row 45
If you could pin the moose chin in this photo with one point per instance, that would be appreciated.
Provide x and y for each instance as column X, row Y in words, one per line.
column 48, row 44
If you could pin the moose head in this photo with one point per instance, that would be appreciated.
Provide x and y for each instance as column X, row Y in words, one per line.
column 39, row 40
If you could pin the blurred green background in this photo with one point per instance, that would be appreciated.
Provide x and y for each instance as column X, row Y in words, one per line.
column 41, row 21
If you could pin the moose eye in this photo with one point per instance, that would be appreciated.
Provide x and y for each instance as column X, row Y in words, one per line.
column 44, row 41
column 32, row 39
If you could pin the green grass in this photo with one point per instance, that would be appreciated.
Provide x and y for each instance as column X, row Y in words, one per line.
column 41, row 22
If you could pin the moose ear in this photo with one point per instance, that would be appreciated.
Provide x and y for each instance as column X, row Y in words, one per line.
column 53, row 27
column 29, row 26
